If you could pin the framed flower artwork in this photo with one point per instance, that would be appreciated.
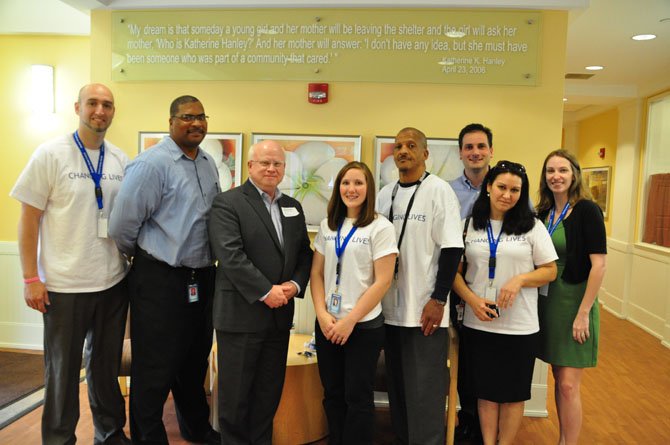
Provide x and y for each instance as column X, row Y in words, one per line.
column 224, row 148
column 443, row 160
column 312, row 163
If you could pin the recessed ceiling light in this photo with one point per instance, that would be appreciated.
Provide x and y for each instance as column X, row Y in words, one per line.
column 594, row 67
column 644, row 37
column 565, row 99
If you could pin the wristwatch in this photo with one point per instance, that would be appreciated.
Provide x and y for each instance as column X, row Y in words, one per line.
column 440, row 302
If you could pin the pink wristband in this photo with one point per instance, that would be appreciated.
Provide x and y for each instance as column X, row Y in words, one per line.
column 31, row 280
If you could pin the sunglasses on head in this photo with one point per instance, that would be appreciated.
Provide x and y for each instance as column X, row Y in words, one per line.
column 510, row 166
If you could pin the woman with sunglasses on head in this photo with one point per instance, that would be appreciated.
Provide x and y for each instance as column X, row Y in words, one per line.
column 352, row 268
column 508, row 255
column 569, row 314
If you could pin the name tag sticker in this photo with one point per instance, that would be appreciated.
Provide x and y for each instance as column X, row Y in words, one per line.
column 289, row 211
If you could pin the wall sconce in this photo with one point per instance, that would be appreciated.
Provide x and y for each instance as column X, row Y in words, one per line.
column 42, row 89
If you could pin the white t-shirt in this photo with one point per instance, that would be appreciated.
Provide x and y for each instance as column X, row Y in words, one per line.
column 516, row 254
column 367, row 244
column 72, row 259
column 434, row 223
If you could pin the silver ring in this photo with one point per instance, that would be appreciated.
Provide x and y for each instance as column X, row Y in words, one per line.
column 434, row 325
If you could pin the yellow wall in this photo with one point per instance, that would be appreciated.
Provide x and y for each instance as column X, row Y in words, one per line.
column 596, row 132
column 526, row 121
column 21, row 131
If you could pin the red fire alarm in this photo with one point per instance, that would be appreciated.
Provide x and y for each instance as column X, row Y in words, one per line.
column 317, row 93
column 601, row 152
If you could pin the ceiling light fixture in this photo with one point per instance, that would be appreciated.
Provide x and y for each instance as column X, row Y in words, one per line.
column 644, row 37
column 594, row 67
column 565, row 99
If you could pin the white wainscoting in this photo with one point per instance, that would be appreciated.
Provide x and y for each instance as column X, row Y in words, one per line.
column 637, row 286
column 304, row 317
column 20, row 326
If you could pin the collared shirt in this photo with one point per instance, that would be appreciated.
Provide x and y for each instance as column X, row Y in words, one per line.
column 273, row 209
column 275, row 214
column 466, row 193
column 164, row 204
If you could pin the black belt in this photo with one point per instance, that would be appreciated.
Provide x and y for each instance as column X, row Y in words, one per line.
column 144, row 254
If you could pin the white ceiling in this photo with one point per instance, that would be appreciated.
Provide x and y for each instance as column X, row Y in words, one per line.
column 599, row 33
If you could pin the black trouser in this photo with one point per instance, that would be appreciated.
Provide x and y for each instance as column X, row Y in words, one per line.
column 469, row 414
column 171, row 341
column 416, row 372
column 348, row 375
column 97, row 319
column 252, row 368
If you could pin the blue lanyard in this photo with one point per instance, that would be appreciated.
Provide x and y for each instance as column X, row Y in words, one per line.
column 339, row 250
column 97, row 174
column 493, row 248
column 551, row 226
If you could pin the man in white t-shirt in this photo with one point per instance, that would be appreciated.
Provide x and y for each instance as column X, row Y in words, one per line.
column 73, row 273
column 425, row 213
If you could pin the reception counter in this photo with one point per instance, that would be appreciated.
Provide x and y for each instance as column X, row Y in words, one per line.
column 300, row 417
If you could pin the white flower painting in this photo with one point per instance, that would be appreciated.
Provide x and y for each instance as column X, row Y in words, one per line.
column 443, row 160
column 224, row 148
column 312, row 163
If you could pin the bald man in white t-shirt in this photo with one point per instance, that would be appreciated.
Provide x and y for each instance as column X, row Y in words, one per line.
column 425, row 213
column 73, row 273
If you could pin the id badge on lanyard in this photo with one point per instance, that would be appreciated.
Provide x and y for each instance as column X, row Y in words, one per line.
column 102, row 225
column 334, row 303
column 491, row 293
column 192, row 288
column 460, row 311
column 551, row 228
column 96, row 176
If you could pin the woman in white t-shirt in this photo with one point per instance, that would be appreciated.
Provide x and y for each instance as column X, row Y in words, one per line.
column 354, row 259
column 508, row 255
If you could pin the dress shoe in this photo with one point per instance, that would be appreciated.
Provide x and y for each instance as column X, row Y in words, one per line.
column 118, row 439
column 211, row 437
column 468, row 434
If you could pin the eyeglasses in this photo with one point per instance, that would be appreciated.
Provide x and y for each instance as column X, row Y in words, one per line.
column 191, row 117
column 510, row 167
column 267, row 164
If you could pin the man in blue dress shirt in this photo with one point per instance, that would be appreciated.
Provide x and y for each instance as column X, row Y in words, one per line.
column 475, row 147
column 160, row 219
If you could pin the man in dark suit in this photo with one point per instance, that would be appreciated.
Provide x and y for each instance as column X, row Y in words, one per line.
column 259, row 237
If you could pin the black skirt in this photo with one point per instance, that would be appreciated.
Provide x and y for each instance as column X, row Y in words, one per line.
column 501, row 365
